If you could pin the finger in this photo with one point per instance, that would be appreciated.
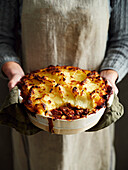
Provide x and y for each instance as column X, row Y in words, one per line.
column 11, row 84
column 13, row 81
column 115, row 89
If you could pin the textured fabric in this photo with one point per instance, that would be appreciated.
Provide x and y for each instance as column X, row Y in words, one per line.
column 59, row 35
column 116, row 53
column 8, row 23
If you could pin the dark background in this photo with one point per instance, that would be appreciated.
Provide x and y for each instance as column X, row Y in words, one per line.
column 121, row 134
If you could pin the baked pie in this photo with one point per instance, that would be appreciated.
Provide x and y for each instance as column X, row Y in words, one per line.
column 64, row 93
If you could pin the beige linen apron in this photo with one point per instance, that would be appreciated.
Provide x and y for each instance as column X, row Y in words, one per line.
column 64, row 32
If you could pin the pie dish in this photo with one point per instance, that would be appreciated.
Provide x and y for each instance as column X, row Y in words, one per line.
column 65, row 99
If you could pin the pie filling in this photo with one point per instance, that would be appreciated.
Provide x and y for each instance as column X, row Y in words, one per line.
column 68, row 112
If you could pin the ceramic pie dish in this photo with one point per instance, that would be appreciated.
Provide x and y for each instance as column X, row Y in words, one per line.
column 68, row 126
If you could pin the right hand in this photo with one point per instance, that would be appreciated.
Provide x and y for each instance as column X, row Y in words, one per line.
column 14, row 72
column 111, row 76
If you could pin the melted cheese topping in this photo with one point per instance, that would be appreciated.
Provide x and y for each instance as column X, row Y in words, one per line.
column 56, row 86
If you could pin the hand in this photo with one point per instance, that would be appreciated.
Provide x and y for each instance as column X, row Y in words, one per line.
column 14, row 73
column 111, row 76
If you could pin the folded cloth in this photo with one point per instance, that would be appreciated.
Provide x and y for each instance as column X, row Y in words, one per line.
column 14, row 114
column 111, row 115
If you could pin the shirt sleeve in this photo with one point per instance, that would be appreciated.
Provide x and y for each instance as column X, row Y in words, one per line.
column 9, row 15
column 116, row 57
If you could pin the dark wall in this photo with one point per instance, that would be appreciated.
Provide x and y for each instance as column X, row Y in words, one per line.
column 121, row 135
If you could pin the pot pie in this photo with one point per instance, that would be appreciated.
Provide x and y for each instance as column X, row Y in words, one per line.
column 64, row 93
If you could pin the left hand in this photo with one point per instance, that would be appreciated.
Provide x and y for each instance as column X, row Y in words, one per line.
column 111, row 76
column 14, row 72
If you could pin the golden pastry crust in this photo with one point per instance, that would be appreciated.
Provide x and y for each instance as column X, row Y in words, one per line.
column 64, row 92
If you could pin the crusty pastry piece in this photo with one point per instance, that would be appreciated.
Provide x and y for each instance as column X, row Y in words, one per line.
column 64, row 92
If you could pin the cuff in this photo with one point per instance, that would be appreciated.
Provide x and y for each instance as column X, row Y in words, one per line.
column 117, row 63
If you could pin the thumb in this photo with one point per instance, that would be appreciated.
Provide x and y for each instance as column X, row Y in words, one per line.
column 115, row 89
column 14, row 81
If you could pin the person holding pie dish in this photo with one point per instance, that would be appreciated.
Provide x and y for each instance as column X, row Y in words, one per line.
column 91, row 35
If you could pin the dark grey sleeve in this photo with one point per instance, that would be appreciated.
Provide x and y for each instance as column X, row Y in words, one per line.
column 9, row 14
column 117, row 52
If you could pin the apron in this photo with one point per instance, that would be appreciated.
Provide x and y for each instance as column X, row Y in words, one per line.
column 64, row 32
